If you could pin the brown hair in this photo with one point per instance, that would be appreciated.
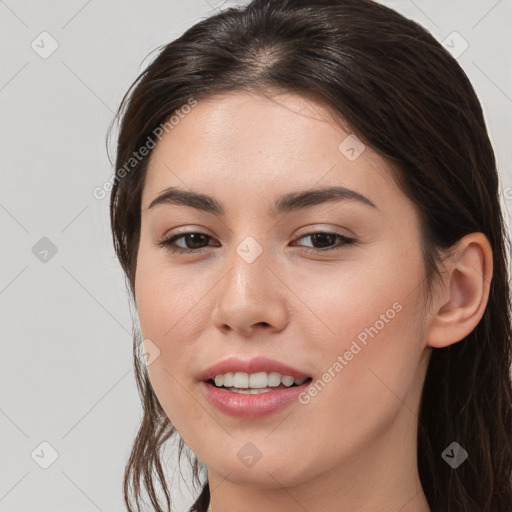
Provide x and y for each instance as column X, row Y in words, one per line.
column 405, row 96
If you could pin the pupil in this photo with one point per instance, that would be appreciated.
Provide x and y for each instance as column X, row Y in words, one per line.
column 329, row 236
column 195, row 239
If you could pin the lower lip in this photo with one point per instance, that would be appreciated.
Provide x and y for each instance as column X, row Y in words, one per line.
column 243, row 405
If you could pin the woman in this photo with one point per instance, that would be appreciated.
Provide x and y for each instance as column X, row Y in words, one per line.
column 306, row 207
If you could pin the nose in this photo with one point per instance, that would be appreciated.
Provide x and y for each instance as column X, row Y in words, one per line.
column 250, row 297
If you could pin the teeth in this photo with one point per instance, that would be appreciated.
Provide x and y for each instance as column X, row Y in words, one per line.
column 255, row 381
column 274, row 379
column 258, row 380
column 287, row 380
column 248, row 391
column 241, row 380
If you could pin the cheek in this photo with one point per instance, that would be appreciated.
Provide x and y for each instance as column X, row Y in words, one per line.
column 368, row 340
column 169, row 299
column 158, row 307
column 367, row 372
column 360, row 298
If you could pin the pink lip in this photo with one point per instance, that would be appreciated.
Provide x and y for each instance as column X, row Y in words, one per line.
column 251, row 406
column 257, row 364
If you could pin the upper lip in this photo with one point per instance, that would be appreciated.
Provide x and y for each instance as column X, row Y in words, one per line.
column 254, row 365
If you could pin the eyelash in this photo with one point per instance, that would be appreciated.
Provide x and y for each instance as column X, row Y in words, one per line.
column 166, row 242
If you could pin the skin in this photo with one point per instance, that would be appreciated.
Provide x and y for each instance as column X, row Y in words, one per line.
column 353, row 446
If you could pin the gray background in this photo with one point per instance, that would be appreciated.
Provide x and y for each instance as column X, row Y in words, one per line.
column 66, row 376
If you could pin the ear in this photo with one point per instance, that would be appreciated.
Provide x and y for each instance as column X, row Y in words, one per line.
column 460, row 304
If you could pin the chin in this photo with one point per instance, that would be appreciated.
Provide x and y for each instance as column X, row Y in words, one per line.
column 267, row 473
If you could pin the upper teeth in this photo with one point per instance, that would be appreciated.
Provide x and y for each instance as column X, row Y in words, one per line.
column 255, row 380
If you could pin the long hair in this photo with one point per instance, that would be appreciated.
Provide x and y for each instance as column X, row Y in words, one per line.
column 400, row 92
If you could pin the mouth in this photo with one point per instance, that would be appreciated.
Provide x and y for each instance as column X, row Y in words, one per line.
column 252, row 388
column 235, row 367
column 253, row 402
column 256, row 383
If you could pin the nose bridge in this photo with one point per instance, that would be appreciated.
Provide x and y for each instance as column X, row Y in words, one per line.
column 249, row 295
column 248, row 277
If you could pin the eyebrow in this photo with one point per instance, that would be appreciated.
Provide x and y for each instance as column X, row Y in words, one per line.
column 285, row 204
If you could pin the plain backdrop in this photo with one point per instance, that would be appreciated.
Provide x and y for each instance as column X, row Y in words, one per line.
column 68, row 400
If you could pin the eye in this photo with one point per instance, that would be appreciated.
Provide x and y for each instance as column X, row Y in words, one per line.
column 196, row 241
column 325, row 238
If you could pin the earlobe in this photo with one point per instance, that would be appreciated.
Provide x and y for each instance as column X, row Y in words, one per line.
column 460, row 305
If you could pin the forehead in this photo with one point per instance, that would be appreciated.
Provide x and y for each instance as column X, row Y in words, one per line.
column 240, row 142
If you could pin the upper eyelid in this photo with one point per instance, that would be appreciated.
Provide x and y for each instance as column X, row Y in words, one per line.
column 309, row 230
column 179, row 235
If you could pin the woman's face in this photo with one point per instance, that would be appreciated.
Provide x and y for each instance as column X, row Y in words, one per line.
column 349, row 317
